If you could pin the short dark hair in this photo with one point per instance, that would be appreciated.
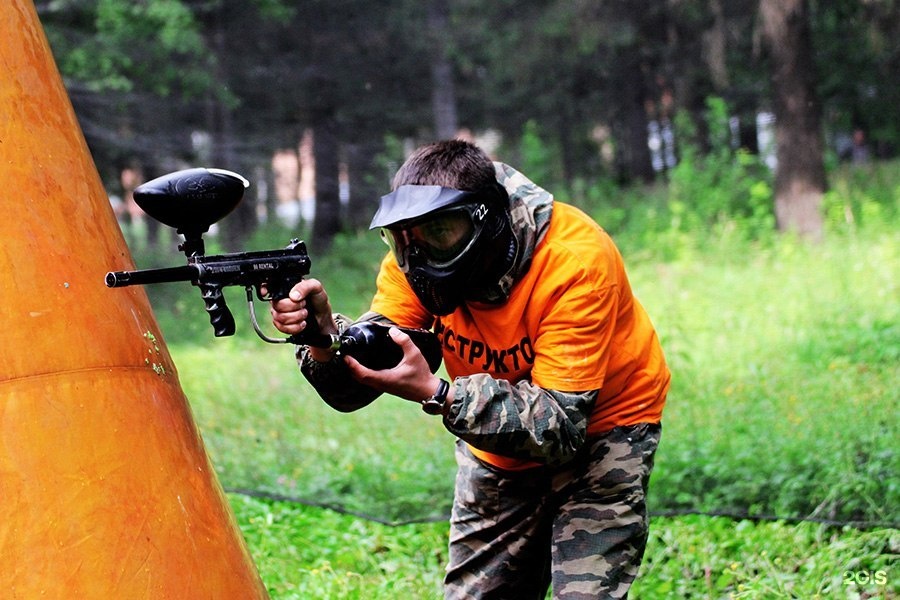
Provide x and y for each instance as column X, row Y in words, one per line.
column 449, row 163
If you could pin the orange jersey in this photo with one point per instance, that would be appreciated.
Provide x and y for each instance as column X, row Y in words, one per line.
column 571, row 324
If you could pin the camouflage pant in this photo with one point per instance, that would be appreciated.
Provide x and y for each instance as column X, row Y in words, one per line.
column 581, row 527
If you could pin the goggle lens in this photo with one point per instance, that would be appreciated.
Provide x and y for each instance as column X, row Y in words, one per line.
column 441, row 237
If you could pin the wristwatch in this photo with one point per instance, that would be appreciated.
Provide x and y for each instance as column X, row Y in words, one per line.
column 434, row 405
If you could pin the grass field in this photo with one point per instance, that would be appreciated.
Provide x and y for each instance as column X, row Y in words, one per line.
column 783, row 406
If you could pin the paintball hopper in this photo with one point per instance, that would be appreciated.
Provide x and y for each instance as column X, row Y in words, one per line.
column 191, row 200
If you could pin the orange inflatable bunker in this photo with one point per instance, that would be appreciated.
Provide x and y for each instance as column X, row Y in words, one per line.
column 106, row 490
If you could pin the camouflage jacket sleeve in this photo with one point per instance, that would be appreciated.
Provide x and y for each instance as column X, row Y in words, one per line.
column 519, row 420
column 332, row 380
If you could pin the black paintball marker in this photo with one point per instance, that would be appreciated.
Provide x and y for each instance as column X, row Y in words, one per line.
column 191, row 201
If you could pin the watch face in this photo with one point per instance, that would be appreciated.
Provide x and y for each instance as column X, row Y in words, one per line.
column 432, row 406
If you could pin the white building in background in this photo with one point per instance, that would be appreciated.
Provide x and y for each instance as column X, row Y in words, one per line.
column 765, row 138
column 294, row 176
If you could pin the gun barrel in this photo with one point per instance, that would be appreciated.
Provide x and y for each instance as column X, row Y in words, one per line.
column 147, row 276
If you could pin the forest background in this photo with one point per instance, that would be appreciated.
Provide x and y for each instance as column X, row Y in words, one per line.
column 569, row 91
column 742, row 154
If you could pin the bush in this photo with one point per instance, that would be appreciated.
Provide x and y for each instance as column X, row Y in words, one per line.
column 784, row 358
column 785, row 362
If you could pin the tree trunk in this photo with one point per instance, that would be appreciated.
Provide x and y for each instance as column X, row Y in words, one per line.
column 327, row 220
column 800, row 172
column 241, row 223
column 714, row 46
column 635, row 157
column 367, row 183
column 443, row 92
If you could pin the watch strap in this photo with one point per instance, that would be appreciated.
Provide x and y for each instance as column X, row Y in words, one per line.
column 434, row 405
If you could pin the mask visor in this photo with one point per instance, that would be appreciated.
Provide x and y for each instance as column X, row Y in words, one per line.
column 410, row 202
column 440, row 238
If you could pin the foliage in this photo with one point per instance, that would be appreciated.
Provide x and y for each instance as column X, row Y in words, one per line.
column 715, row 197
column 254, row 74
column 827, row 312
column 538, row 158
column 785, row 360
column 701, row 557
column 157, row 43
column 863, row 198
column 779, row 352
column 722, row 189
column 304, row 553
column 310, row 553
column 568, row 66
column 857, row 58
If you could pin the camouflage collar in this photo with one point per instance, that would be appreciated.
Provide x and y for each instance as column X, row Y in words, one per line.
column 530, row 210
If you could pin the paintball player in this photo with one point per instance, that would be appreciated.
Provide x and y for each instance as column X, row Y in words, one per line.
column 557, row 377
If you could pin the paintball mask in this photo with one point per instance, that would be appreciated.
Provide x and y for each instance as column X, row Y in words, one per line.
column 452, row 245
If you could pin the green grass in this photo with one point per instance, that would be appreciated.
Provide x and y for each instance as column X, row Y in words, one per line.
column 304, row 553
column 783, row 399
column 786, row 362
column 704, row 557
column 307, row 553
column 785, row 358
